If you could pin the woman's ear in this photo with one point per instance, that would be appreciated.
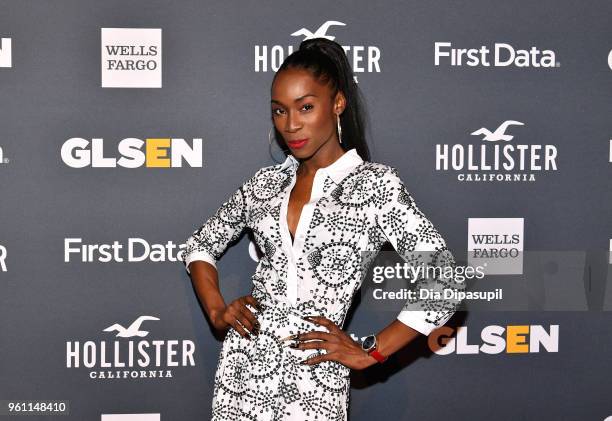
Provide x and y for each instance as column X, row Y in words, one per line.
column 339, row 103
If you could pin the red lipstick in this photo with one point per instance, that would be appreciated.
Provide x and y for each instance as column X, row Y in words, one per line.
column 297, row 144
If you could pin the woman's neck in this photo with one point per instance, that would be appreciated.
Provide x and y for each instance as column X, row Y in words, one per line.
column 320, row 159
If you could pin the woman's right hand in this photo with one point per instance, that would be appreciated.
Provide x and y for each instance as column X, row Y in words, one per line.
column 237, row 315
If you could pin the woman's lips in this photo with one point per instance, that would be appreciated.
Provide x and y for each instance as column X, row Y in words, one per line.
column 297, row 144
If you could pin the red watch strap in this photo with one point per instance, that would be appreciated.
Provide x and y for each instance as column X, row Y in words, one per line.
column 378, row 356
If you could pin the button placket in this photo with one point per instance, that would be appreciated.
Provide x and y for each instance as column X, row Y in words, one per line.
column 296, row 248
column 304, row 222
column 291, row 280
column 306, row 214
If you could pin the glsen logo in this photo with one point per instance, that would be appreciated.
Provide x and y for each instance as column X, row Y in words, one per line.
column 521, row 339
column 496, row 244
column 3, row 259
column 610, row 59
column 504, row 55
column 137, row 250
column 130, row 359
column 158, row 153
column 131, row 58
column 363, row 58
column 6, row 52
column 495, row 162
column 3, row 160
column 610, row 150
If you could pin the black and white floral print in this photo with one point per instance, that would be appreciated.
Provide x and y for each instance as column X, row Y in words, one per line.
column 355, row 206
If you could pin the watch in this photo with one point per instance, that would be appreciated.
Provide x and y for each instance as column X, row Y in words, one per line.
column 370, row 345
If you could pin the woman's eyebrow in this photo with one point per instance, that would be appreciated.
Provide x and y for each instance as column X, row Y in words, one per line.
column 295, row 100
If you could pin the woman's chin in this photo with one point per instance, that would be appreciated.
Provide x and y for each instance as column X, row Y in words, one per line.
column 301, row 153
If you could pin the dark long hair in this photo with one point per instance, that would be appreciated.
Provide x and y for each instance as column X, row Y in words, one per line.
column 327, row 62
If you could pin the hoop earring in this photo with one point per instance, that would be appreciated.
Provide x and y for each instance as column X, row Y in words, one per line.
column 270, row 148
column 339, row 128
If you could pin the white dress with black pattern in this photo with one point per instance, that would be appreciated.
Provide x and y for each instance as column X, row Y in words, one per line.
column 355, row 206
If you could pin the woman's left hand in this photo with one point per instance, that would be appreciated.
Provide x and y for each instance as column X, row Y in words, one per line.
column 339, row 346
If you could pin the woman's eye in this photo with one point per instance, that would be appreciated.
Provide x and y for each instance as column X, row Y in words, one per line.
column 279, row 111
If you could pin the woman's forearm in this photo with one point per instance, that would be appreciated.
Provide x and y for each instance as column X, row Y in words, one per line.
column 205, row 280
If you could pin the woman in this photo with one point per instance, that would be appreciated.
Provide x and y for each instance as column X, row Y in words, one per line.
column 286, row 356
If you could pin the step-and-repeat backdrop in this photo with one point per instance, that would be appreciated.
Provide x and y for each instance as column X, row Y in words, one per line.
column 124, row 125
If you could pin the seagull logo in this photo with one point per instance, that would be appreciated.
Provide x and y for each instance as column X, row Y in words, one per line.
column 132, row 330
column 499, row 133
column 320, row 32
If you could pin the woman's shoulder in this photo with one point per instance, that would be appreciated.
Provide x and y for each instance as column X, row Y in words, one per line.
column 265, row 172
column 378, row 170
column 369, row 169
column 264, row 175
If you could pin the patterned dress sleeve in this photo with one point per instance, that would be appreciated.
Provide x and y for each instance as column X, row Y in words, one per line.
column 208, row 242
column 419, row 243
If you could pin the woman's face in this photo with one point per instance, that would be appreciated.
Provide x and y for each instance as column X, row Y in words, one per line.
column 304, row 112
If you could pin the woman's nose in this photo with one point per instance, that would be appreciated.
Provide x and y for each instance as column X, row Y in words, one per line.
column 292, row 122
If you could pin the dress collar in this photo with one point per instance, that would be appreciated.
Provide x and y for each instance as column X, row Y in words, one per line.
column 337, row 170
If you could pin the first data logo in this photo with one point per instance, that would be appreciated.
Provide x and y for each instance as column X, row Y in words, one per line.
column 131, row 58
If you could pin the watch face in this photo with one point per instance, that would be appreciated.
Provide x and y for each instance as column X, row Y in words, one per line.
column 368, row 342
